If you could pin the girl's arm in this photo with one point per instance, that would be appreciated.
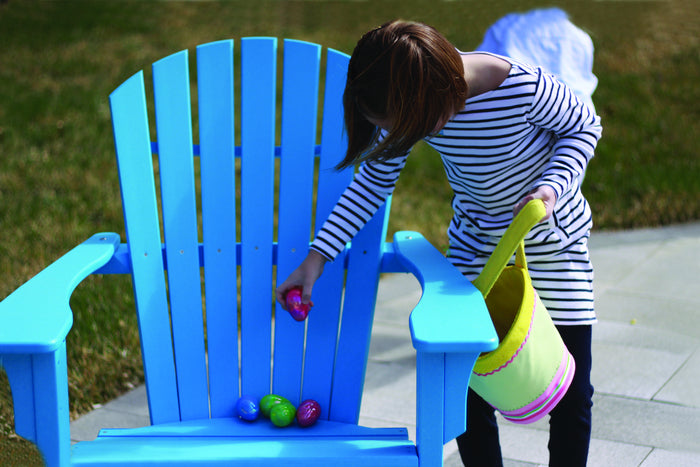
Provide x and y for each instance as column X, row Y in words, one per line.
column 370, row 188
column 556, row 108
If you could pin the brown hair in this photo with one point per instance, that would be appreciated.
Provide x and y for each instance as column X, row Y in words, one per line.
column 408, row 73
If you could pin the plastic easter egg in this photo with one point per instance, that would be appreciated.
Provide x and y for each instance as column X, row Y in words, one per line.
column 295, row 307
column 282, row 414
column 247, row 408
column 308, row 412
column 269, row 401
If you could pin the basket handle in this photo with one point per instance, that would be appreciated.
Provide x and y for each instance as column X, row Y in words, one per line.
column 512, row 240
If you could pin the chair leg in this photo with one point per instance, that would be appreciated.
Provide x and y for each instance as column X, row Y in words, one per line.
column 19, row 373
column 458, row 368
column 430, row 416
column 39, row 386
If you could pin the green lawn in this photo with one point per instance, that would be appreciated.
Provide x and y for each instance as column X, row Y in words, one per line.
column 58, row 183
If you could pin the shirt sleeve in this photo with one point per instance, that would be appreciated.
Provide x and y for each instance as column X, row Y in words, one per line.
column 372, row 185
column 577, row 127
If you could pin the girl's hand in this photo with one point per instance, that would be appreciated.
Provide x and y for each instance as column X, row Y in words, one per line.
column 304, row 276
column 543, row 192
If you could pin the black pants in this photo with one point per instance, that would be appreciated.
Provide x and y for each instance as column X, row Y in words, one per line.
column 569, row 423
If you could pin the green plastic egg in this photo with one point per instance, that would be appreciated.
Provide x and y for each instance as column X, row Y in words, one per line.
column 269, row 401
column 283, row 414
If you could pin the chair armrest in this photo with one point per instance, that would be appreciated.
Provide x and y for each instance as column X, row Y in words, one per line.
column 36, row 317
column 451, row 315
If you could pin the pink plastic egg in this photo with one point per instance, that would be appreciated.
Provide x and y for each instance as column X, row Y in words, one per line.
column 247, row 408
column 308, row 412
column 295, row 307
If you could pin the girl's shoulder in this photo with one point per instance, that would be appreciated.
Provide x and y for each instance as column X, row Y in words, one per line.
column 517, row 67
column 492, row 72
column 514, row 62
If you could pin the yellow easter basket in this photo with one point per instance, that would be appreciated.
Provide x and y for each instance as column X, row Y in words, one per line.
column 531, row 370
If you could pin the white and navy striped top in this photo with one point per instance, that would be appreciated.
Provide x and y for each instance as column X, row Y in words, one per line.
column 532, row 130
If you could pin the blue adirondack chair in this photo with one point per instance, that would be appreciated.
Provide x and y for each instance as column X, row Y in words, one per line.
column 196, row 368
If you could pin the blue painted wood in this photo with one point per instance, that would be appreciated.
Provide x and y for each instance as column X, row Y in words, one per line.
column 39, row 386
column 218, row 451
column 50, row 380
column 119, row 263
column 196, row 149
column 430, row 393
column 299, row 119
column 19, row 373
column 438, row 323
column 321, row 343
column 179, row 210
column 220, row 258
column 132, row 142
column 358, row 314
column 328, row 289
column 36, row 367
column 326, row 362
column 258, row 93
column 333, row 143
column 451, row 317
column 36, row 317
column 225, row 441
column 456, row 386
column 237, row 428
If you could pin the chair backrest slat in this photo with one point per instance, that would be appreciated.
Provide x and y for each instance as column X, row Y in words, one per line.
column 298, row 141
column 132, row 142
column 363, row 265
column 217, row 165
column 358, row 314
column 179, row 209
column 258, row 105
column 240, row 342
column 333, row 142
column 328, row 291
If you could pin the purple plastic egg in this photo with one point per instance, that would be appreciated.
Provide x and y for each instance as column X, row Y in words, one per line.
column 308, row 412
column 247, row 408
column 295, row 307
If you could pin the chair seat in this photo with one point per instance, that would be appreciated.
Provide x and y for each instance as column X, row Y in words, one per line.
column 225, row 440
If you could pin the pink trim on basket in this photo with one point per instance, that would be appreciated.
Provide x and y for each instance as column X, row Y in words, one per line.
column 550, row 398
column 527, row 336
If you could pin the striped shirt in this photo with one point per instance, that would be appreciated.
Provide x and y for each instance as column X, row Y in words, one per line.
column 530, row 131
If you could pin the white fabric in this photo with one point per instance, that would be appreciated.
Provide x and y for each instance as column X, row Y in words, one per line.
column 546, row 38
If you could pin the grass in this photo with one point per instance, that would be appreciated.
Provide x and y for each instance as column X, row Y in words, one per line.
column 58, row 185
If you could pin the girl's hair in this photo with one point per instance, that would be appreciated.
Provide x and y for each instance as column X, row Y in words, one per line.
column 408, row 74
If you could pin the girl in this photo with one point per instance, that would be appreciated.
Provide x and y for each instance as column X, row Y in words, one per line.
column 507, row 132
